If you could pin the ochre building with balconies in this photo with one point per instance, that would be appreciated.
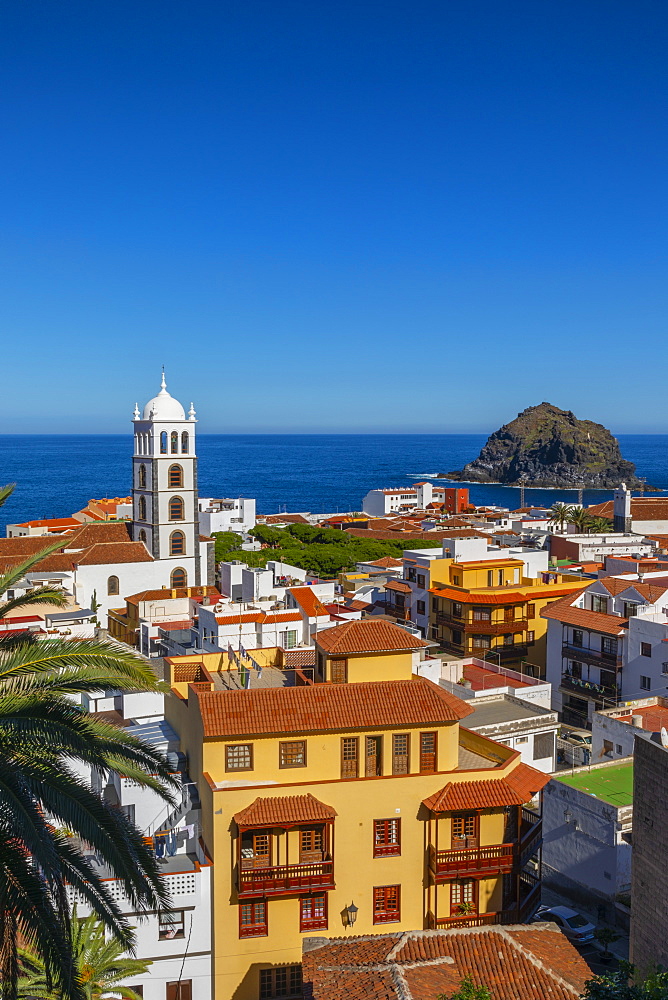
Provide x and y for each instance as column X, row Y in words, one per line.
column 353, row 805
column 487, row 608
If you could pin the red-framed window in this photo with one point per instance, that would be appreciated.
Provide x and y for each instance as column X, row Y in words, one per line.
column 313, row 912
column 253, row 919
column 386, row 838
column 386, row 904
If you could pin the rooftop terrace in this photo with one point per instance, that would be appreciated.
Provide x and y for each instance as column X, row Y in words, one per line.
column 612, row 784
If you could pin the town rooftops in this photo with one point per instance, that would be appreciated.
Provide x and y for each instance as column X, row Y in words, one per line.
column 52, row 523
column 285, row 810
column 399, row 585
column 516, row 962
column 651, row 590
column 387, row 562
column 654, row 717
column 367, row 636
column 167, row 594
column 642, row 509
column 482, row 679
column 111, row 553
column 515, row 788
column 261, row 617
column 308, row 601
column 327, row 708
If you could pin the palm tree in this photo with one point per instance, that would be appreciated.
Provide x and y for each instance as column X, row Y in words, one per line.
column 100, row 965
column 46, row 741
column 580, row 518
column 560, row 514
column 599, row 525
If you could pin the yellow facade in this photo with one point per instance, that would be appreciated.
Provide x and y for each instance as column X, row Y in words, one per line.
column 396, row 768
column 488, row 609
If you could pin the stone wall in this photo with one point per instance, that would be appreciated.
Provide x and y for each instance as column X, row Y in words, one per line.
column 649, row 879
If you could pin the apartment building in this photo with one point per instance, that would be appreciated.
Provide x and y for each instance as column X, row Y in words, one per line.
column 606, row 644
column 353, row 806
column 491, row 608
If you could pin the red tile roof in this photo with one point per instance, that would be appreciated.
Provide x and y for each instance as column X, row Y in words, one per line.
column 399, row 586
column 513, row 789
column 367, row 636
column 516, row 962
column 165, row 594
column 328, row 707
column 284, row 810
column 642, row 509
column 387, row 562
column 114, row 552
column 310, row 604
column 596, row 621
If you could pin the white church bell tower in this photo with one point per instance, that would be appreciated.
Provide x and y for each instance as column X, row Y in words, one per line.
column 164, row 487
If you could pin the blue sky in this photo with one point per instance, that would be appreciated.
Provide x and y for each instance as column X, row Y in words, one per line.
column 341, row 215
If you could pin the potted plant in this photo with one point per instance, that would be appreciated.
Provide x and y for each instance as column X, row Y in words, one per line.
column 466, row 909
column 606, row 936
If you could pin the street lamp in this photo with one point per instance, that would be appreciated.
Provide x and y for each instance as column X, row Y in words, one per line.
column 351, row 914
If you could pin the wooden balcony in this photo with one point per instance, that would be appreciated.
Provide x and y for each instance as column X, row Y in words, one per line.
column 403, row 613
column 470, row 920
column 497, row 859
column 588, row 689
column 283, row 880
column 584, row 655
column 484, row 626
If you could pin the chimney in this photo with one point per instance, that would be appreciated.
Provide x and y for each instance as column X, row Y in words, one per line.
column 636, row 721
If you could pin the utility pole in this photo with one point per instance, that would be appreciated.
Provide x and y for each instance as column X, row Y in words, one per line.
column 522, row 482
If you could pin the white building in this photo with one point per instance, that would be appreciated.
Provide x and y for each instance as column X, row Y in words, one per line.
column 226, row 515
column 164, row 488
column 607, row 644
column 614, row 731
column 527, row 728
column 378, row 503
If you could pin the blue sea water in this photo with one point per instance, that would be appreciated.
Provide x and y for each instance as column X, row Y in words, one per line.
column 58, row 474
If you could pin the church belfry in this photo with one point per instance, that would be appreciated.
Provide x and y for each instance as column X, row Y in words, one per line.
column 164, row 486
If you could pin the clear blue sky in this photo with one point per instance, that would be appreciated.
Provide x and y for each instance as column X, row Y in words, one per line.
column 364, row 215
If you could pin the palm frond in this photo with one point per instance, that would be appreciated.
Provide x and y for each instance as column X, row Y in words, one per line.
column 9, row 579
column 128, row 670
column 38, row 595
column 6, row 492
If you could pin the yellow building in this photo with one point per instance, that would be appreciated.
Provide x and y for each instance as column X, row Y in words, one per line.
column 487, row 608
column 353, row 806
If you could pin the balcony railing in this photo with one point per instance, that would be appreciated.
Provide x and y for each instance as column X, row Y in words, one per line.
column 531, row 835
column 398, row 611
column 483, row 626
column 470, row 920
column 584, row 655
column 529, row 895
column 284, row 879
column 588, row 688
column 445, row 865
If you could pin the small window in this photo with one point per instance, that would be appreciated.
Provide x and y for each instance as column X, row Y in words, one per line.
column 373, row 762
column 645, row 683
column 531, row 610
column 284, row 981
column 618, row 749
column 521, row 739
column 490, row 577
column 338, row 671
column 313, row 912
column 645, row 648
column 175, row 443
column 171, row 925
column 177, row 544
column 543, row 745
column 456, row 580
column 456, row 610
column 175, row 477
column 112, row 585
column 577, row 637
column 421, row 580
column 609, row 646
column 176, row 509
column 386, row 838
column 411, row 574
column 349, row 757
column 421, row 608
column 531, row 638
column 400, row 753
column 163, row 443
column 179, row 578
column 253, row 919
column 142, row 536
column 239, row 757
column 182, row 990
column 142, row 477
column 142, row 508
column 386, row 904
column 184, row 443
column 599, row 604
column 434, row 604
column 292, row 754
column 463, row 897
column 607, row 746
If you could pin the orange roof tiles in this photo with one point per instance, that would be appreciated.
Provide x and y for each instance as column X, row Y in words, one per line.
column 652, row 590
column 367, row 636
column 491, row 597
column 399, row 586
column 387, row 562
column 642, row 509
column 516, row 962
column 285, row 810
column 596, row 621
column 328, row 707
column 114, row 552
column 308, row 601
column 165, row 594
column 513, row 789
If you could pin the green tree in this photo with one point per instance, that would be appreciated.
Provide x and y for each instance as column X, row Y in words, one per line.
column 560, row 514
column 599, row 525
column 468, row 991
column 46, row 741
column 580, row 518
column 226, row 542
column 100, row 965
column 267, row 535
column 623, row 985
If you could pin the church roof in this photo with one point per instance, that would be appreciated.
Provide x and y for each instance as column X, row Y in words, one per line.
column 163, row 406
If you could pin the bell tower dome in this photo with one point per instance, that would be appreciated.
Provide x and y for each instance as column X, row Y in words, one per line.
column 165, row 513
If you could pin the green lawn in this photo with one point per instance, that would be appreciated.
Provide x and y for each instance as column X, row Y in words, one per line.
column 611, row 784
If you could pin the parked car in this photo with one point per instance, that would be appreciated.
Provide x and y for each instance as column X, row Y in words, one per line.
column 576, row 927
column 574, row 746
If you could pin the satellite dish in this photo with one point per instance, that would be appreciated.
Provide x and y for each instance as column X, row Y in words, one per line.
column 664, row 737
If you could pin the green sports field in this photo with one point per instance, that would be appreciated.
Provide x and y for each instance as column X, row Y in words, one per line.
column 611, row 784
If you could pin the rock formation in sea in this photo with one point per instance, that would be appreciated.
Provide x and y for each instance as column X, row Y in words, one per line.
column 546, row 446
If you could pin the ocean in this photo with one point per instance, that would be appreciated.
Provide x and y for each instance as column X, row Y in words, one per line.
column 57, row 474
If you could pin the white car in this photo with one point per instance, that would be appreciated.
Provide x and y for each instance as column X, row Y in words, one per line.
column 576, row 927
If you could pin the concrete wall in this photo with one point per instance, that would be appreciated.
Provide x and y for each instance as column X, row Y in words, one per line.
column 649, row 891
column 582, row 839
